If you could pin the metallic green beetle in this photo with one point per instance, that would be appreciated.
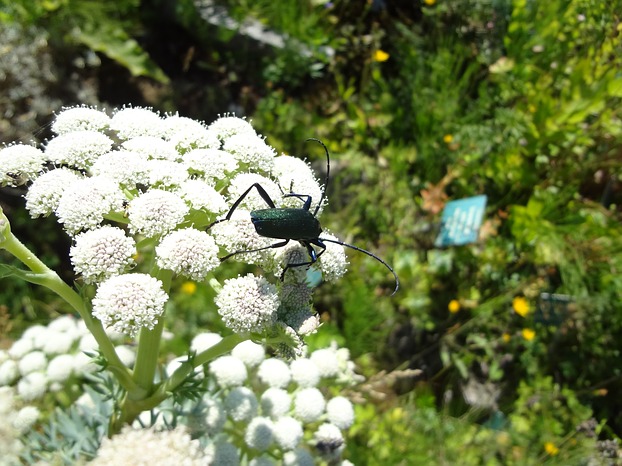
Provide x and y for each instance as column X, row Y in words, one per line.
column 293, row 224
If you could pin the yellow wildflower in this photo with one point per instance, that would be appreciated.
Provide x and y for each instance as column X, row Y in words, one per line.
column 528, row 334
column 506, row 337
column 429, row 2
column 448, row 138
column 453, row 306
column 551, row 449
column 397, row 414
column 189, row 287
column 381, row 55
column 520, row 306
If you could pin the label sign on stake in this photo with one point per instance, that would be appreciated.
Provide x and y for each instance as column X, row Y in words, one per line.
column 461, row 221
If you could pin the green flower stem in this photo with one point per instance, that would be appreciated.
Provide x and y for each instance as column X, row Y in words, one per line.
column 132, row 407
column 149, row 344
column 144, row 398
column 147, row 358
column 223, row 346
column 44, row 276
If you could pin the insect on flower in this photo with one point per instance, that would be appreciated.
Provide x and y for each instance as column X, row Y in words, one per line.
column 293, row 224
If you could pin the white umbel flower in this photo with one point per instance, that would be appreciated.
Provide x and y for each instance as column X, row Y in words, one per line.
column 333, row 261
column 32, row 386
column 188, row 252
column 239, row 234
column 210, row 164
column 201, row 196
column 148, row 447
column 229, row 371
column 101, row 253
column 173, row 124
column 275, row 402
column 296, row 175
column 204, row 341
column 221, row 453
column 249, row 352
column 32, row 362
column 123, row 166
column 61, row 367
column 77, row 149
column 298, row 457
column 309, row 404
column 248, row 304
column 240, row 183
column 251, row 151
column 131, row 122
column 329, row 441
column 326, row 361
column 128, row 303
column 45, row 192
column 156, row 212
column 288, row 432
column 20, row 163
column 292, row 253
column 215, row 416
column 259, row 433
column 262, row 460
column 22, row 346
column 241, row 404
column 9, row 372
column 304, row 372
column 274, row 373
column 153, row 148
column 164, row 173
column 25, row 419
column 84, row 204
column 80, row 119
column 228, row 125
column 340, row 412
column 190, row 139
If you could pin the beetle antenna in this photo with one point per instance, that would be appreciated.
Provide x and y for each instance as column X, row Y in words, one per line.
column 397, row 280
column 317, row 207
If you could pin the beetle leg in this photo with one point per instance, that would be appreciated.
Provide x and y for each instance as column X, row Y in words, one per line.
column 262, row 192
column 312, row 254
column 307, row 203
column 272, row 246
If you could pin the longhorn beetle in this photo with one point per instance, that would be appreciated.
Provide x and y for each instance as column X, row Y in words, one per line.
column 293, row 224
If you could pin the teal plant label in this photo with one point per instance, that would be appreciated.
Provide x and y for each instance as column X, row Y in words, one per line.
column 552, row 308
column 460, row 221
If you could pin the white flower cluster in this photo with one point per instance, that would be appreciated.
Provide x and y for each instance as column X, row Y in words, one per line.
column 264, row 404
column 17, row 420
column 149, row 447
column 137, row 178
column 46, row 358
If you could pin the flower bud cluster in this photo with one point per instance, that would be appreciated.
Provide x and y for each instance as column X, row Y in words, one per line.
column 263, row 410
column 49, row 358
column 17, row 419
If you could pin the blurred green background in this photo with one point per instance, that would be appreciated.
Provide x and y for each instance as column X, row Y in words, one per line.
column 419, row 102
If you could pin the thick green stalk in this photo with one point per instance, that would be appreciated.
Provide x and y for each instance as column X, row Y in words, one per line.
column 44, row 276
